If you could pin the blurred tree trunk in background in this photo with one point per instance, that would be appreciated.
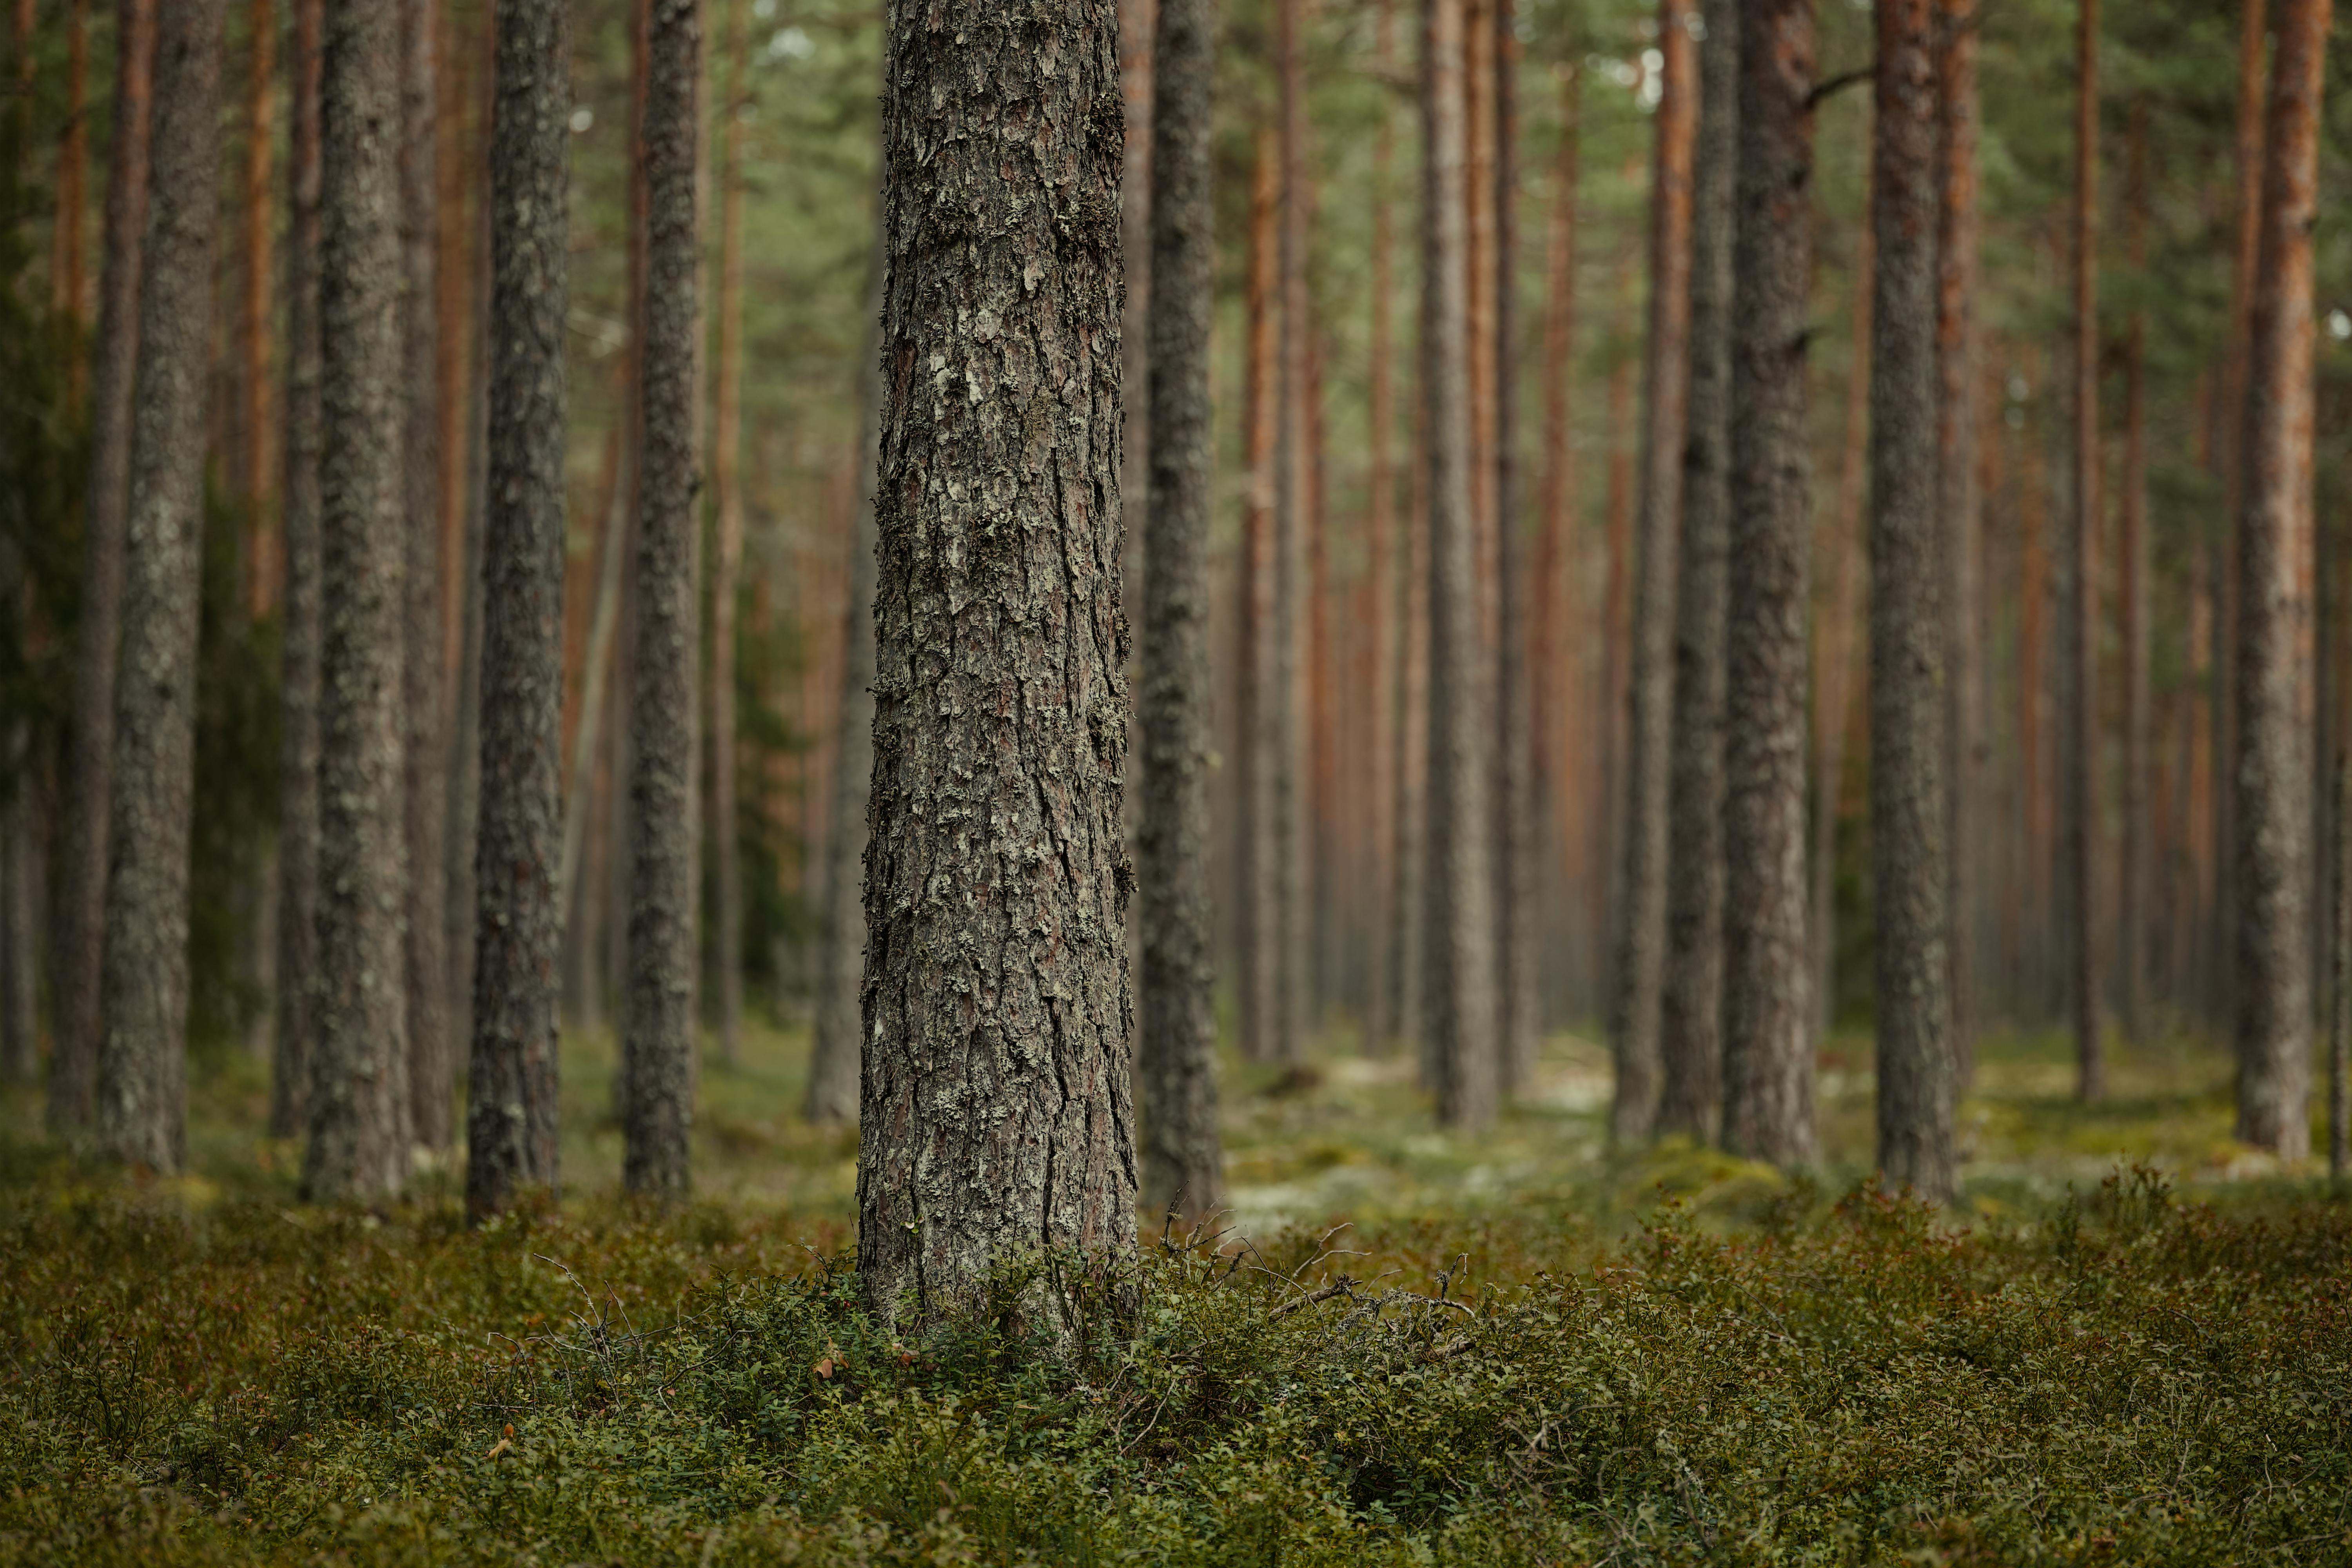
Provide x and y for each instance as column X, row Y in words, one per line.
column 510, row 1118
column 66, row 269
column 725, row 440
column 1384, row 951
column 76, row 1006
column 1837, row 640
column 2079, row 618
column 1294, row 986
column 1559, row 759
column 1767, row 1016
column 2274, row 818
column 1690, row 1039
column 658, row 1016
column 259, row 279
column 1958, row 508
column 1259, row 921
column 2137, row 908
column 143, row 1062
column 1518, row 1023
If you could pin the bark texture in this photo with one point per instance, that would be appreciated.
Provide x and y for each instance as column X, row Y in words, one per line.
column 1691, row 1014
column 1767, row 1110
column 142, row 1060
column 996, row 1119
column 1909, row 719
column 510, row 1109
column 76, row 1012
column 658, row 1016
column 2273, row 814
column 1958, row 500
column 359, row 1081
column 298, row 621
column 425, row 796
column 1459, row 993
column 1176, row 1019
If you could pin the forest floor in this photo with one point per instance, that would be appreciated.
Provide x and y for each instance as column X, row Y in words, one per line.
column 2131, row 1341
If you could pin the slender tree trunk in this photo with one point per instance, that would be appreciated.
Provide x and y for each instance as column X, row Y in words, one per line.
column 1386, row 951
column 597, row 661
column 464, row 372
column 1909, row 706
column 359, row 1101
column 1608, row 823
column 1766, row 1013
column 2081, row 835
column 1461, row 969
column 1138, row 20
column 1293, row 984
column 2137, row 902
column 658, row 1016
column 299, row 626
column 1641, row 938
column 1959, row 501
column 1691, row 1019
column 1260, row 923
column 996, row 1119
column 1177, row 1024
column 75, row 1005
column 1835, row 635
column 259, row 279
column 725, row 439
column 2273, row 986
column 1556, row 764
column 143, row 1061
column 1518, row 1021
column 510, row 1115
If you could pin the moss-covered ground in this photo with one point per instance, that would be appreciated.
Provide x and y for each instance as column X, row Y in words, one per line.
column 2130, row 1342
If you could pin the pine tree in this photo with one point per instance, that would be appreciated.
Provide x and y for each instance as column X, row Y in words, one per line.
column 2081, row 618
column 725, row 440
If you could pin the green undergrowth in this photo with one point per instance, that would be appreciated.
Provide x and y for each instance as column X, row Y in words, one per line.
column 2125, row 1378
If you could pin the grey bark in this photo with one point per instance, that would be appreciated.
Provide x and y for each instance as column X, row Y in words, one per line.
column 1768, row 1111
column 298, row 627
column 510, row 1109
column 424, row 678
column 76, row 1012
column 657, row 1016
column 1639, row 973
column 142, row 1056
column 833, row 1062
column 1458, row 941
column 1690, row 1040
column 994, row 1118
column 1910, row 716
column 1176, row 999
column 359, row 1082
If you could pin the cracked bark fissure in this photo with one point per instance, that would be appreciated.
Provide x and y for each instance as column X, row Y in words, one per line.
column 994, row 1115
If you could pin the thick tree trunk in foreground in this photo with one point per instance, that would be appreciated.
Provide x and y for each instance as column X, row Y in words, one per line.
column 1957, row 501
column 1690, row 1039
column 359, row 1081
column 2082, row 616
column 76, row 1012
column 725, row 439
column 995, row 1118
column 1176, row 994
column 1909, row 720
column 1459, row 993
column 510, row 1109
column 2274, row 988
column 657, row 1018
column 143, row 1061
column 298, row 628
column 1641, row 938
column 425, row 794
column 1768, row 1112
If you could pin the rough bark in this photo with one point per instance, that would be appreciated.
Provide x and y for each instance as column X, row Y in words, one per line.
column 657, row 1018
column 1767, row 1110
column 996, row 1119
column 2136, row 905
column 1690, row 1037
column 359, row 1101
column 77, row 1015
column 726, row 438
column 1459, row 993
column 425, row 799
column 1176, row 1000
column 2272, row 776
column 142, row 1060
column 1909, row 711
column 2081, row 839
column 1958, row 503
column 298, row 623
column 510, row 1109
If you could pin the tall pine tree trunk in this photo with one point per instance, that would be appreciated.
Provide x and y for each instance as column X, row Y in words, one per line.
column 2274, row 988
column 2082, row 614
column 259, row 282
column 996, row 1119
column 726, row 438
column 1177, row 1024
column 298, row 623
column 1958, row 503
column 1516, row 1021
column 360, row 1102
column 1690, row 1037
column 1260, row 915
column 1835, row 635
column 1292, row 984
column 143, row 1061
column 658, row 1014
column 2136, row 905
column 76, row 1006
column 1385, row 722
column 1767, row 1014
column 511, row 1108
column 1556, row 765
column 1909, row 715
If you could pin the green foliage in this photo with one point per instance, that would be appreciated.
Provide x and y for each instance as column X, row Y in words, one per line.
column 2128, row 1379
